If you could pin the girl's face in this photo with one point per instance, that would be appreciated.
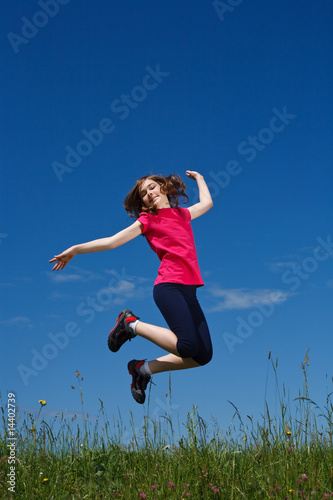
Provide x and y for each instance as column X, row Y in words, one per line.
column 150, row 192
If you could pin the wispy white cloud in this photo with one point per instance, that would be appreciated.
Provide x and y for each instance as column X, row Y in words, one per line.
column 124, row 286
column 64, row 278
column 244, row 298
column 115, row 284
column 56, row 295
column 55, row 317
column 289, row 261
column 124, row 290
column 79, row 275
column 17, row 321
column 278, row 267
column 18, row 281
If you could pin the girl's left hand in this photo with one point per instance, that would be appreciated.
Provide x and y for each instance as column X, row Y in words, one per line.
column 193, row 175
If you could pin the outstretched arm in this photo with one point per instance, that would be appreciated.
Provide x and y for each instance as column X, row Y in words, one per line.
column 97, row 245
column 205, row 198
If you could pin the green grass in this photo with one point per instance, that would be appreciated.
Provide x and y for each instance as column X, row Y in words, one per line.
column 286, row 457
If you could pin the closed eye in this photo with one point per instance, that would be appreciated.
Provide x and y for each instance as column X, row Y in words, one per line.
column 144, row 192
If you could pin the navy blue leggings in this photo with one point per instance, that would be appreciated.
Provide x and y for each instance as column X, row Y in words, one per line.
column 182, row 312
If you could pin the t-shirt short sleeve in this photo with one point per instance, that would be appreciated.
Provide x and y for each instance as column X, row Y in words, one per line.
column 144, row 219
column 185, row 213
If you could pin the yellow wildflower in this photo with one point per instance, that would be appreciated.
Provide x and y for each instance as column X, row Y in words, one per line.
column 42, row 402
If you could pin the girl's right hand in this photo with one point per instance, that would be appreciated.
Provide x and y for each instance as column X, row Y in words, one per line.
column 63, row 258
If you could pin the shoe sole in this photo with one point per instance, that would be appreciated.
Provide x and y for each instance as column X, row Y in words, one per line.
column 112, row 344
column 138, row 395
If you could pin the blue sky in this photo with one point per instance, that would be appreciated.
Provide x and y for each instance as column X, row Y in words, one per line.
column 96, row 94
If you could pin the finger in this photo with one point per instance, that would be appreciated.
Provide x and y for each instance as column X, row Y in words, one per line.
column 56, row 257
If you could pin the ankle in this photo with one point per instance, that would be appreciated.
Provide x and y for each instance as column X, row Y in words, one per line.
column 133, row 325
column 144, row 369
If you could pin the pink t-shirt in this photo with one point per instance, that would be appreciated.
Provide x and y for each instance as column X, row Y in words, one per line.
column 169, row 234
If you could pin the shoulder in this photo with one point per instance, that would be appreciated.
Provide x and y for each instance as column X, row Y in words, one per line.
column 145, row 219
column 185, row 213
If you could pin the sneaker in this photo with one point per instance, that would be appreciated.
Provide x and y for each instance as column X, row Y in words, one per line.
column 122, row 331
column 139, row 382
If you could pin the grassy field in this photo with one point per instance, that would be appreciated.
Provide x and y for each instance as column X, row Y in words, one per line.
column 286, row 457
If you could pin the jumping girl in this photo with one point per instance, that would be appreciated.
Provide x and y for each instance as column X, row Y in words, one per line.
column 153, row 201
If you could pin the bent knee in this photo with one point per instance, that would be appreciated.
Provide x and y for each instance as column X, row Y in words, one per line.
column 187, row 349
column 203, row 358
column 207, row 358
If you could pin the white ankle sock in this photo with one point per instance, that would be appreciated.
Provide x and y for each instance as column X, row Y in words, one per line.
column 133, row 325
column 144, row 369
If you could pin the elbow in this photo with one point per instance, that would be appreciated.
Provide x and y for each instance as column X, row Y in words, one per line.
column 210, row 204
column 114, row 244
column 206, row 203
column 111, row 244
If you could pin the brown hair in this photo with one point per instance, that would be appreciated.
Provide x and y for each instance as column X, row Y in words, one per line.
column 172, row 186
